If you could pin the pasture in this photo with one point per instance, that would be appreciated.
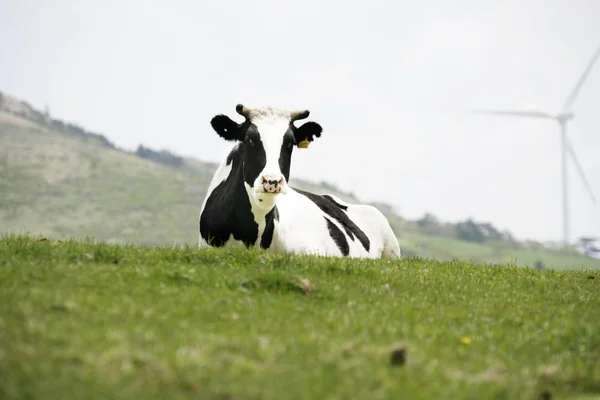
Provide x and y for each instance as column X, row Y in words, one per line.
column 80, row 319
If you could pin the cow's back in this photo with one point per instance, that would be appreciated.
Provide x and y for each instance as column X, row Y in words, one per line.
column 325, row 225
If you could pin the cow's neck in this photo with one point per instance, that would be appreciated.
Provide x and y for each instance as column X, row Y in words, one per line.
column 265, row 212
column 265, row 216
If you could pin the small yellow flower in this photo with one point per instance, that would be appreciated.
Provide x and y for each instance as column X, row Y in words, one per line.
column 465, row 340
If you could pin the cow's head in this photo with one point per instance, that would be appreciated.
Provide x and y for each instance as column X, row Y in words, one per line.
column 267, row 138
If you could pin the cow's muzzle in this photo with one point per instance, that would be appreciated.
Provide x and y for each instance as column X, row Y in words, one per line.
column 272, row 183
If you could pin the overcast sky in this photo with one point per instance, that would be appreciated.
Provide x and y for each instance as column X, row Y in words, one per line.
column 392, row 83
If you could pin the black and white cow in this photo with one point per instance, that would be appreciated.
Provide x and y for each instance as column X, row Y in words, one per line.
column 249, row 200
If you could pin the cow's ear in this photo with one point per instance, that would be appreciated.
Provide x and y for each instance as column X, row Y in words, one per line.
column 227, row 128
column 306, row 133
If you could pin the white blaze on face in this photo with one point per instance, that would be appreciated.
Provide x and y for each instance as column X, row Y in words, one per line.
column 272, row 124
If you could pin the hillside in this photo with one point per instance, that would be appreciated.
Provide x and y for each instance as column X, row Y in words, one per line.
column 60, row 180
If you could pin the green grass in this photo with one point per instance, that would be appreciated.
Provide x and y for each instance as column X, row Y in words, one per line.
column 85, row 320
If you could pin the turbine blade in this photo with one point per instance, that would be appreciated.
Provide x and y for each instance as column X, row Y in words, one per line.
column 580, row 170
column 534, row 114
column 582, row 79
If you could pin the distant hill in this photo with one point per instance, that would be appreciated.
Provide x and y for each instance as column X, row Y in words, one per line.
column 60, row 180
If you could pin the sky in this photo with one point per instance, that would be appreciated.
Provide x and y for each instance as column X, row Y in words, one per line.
column 393, row 83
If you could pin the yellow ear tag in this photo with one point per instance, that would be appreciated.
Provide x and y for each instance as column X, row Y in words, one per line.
column 303, row 144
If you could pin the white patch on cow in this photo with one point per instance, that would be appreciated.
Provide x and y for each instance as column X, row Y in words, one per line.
column 221, row 174
column 258, row 113
column 271, row 124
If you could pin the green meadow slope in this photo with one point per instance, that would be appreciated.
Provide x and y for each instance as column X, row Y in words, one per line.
column 60, row 181
column 82, row 320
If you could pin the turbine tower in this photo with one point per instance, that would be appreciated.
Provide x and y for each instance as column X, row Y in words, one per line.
column 561, row 118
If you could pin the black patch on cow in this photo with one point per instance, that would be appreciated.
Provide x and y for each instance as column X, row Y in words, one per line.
column 267, row 236
column 285, row 155
column 228, row 211
column 337, row 211
column 338, row 237
column 335, row 202
column 307, row 131
column 255, row 157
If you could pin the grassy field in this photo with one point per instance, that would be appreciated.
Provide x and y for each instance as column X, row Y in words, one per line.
column 84, row 320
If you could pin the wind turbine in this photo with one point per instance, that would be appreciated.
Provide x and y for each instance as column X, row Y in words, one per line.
column 561, row 118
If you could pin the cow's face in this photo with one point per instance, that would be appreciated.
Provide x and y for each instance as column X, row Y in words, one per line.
column 268, row 137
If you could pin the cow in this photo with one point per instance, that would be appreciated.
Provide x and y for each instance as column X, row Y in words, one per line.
column 249, row 201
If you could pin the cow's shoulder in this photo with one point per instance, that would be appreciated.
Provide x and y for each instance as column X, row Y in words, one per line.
column 227, row 216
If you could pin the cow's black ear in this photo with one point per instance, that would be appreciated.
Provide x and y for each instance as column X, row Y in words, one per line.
column 227, row 128
column 306, row 133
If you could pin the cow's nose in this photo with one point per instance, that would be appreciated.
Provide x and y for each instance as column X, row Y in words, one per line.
column 272, row 183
